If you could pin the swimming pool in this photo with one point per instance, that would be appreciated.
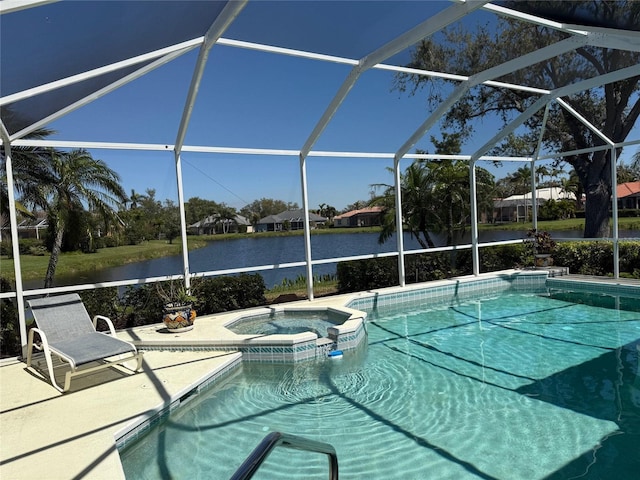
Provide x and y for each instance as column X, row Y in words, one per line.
column 515, row 386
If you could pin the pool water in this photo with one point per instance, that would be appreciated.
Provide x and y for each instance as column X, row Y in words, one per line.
column 510, row 387
column 288, row 322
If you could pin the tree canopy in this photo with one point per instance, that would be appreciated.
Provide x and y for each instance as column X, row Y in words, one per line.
column 612, row 108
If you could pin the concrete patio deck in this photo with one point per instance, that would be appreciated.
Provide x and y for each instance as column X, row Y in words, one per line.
column 46, row 434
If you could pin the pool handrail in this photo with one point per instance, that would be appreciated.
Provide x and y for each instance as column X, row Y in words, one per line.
column 275, row 439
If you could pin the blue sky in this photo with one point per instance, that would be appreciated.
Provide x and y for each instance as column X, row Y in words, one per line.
column 262, row 100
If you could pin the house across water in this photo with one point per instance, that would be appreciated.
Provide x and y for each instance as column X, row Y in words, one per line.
column 364, row 217
column 288, row 220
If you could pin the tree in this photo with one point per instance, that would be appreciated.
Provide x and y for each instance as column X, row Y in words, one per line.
column 197, row 209
column 29, row 166
column 264, row 207
column 134, row 199
column 357, row 205
column 226, row 216
column 71, row 181
column 327, row 211
column 627, row 173
column 520, row 180
column 436, row 196
column 613, row 108
column 635, row 162
column 541, row 172
column 170, row 226
column 572, row 185
column 417, row 198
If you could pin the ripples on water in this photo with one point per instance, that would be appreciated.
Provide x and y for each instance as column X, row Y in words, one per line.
column 510, row 388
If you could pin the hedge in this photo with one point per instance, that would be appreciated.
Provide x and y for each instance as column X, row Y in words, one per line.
column 585, row 258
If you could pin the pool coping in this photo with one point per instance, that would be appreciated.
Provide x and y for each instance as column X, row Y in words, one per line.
column 211, row 333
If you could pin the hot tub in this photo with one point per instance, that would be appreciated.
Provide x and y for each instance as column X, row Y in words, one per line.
column 289, row 322
column 288, row 333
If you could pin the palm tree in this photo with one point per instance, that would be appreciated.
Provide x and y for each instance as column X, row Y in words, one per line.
column 417, row 199
column 73, row 180
column 226, row 217
column 635, row 161
column 541, row 172
column 521, row 180
column 573, row 185
column 135, row 199
column 29, row 165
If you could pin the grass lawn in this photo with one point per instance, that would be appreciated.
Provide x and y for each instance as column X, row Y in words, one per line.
column 35, row 267
column 627, row 223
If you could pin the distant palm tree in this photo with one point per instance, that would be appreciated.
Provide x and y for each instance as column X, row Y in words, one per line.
column 541, row 172
column 573, row 185
column 521, row 180
column 135, row 199
column 226, row 217
column 417, row 199
column 70, row 182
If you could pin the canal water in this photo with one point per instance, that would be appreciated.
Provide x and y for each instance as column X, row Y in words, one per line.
column 255, row 250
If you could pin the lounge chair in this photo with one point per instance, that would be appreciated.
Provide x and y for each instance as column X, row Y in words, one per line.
column 66, row 330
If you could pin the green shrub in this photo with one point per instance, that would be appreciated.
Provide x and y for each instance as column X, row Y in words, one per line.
column 10, row 344
column 629, row 212
column 425, row 267
column 368, row 274
column 630, row 258
column 102, row 301
column 585, row 258
column 141, row 305
column 38, row 251
column 223, row 294
column 26, row 246
column 503, row 257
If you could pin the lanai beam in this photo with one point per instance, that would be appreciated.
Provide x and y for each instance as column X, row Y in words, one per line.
column 411, row 37
column 594, row 82
column 229, row 13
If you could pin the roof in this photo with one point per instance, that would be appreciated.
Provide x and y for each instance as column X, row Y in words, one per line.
column 627, row 189
column 214, row 219
column 360, row 211
column 41, row 82
column 291, row 216
column 542, row 195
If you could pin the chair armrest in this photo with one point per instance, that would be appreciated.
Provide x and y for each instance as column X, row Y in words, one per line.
column 108, row 321
column 43, row 339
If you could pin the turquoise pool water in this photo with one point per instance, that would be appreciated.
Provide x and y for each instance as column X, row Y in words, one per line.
column 517, row 386
column 288, row 322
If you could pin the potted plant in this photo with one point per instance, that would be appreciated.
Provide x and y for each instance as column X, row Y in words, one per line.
column 178, row 314
column 543, row 246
